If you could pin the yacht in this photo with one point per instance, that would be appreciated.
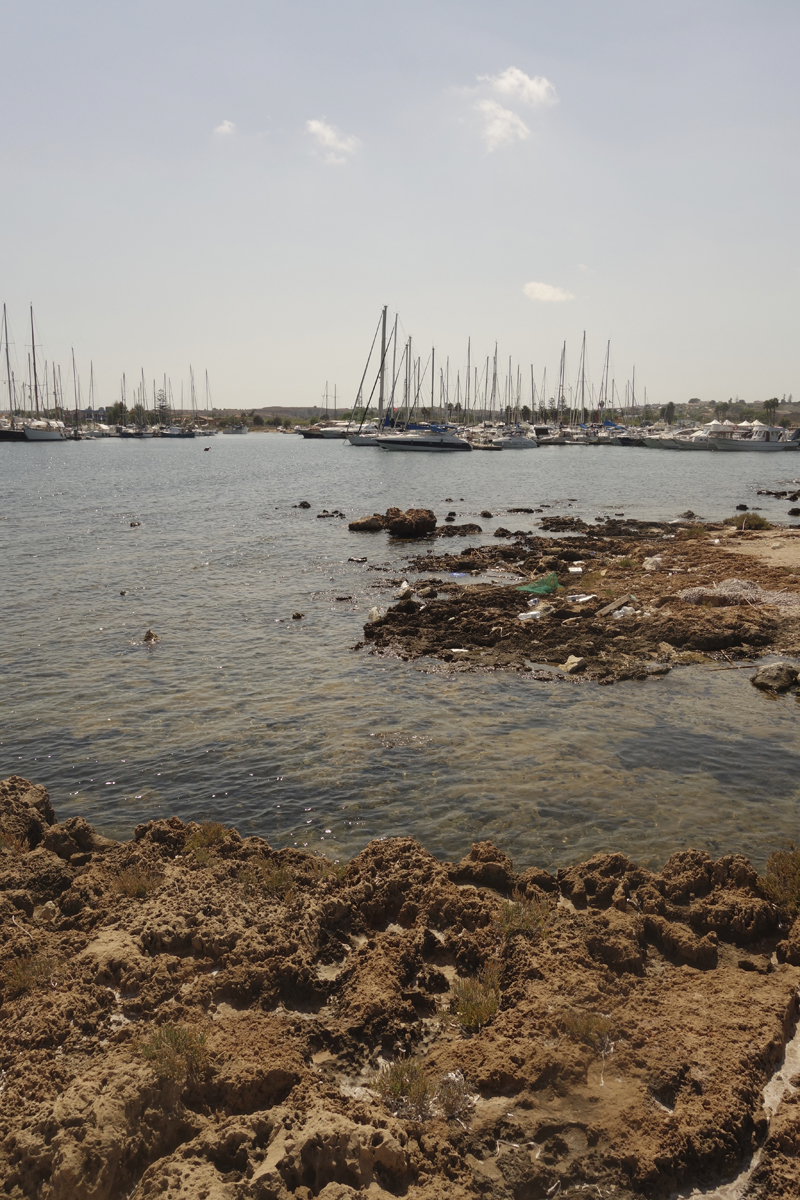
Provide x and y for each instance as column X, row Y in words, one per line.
column 44, row 431
column 424, row 439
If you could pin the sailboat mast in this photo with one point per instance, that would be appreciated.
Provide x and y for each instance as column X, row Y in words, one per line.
column 394, row 358
column 35, row 380
column 75, row 391
column 433, row 379
column 382, row 385
column 8, row 369
column 466, row 388
column 583, row 379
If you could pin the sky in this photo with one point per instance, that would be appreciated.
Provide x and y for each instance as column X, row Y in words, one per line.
column 243, row 186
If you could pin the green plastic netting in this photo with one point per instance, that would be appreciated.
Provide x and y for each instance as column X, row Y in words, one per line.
column 540, row 587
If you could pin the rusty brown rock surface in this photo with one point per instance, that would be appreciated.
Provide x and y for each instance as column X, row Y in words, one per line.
column 659, row 630
column 640, row 1015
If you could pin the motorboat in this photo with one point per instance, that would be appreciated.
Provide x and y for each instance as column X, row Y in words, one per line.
column 757, row 437
column 425, row 439
column 761, row 438
column 365, row 435
column 234, row 429
column 516, row 439
column 335, row 431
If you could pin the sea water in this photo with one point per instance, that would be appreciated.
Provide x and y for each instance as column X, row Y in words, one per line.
column 241, row 714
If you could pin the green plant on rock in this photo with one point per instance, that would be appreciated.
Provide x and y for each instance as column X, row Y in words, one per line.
column 782, row 882
column 175, row 1052
column 403, row 1088
column 203, row 841
column 528, row 915
column 475, row 1001
column 266, row 878
column 27, row 973
column 592, row 1029
column 136, row 881
column 748, row 520
column 325, row 869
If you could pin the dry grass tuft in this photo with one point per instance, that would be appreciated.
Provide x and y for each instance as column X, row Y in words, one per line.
column 263, row 877
column 692, row 533
column 782, row 882
column 475, row 1001
column 528, row 915
column 325, row 869
column 203, row 841
column 176, row 1052
column 12, row 844
column 453, row 1096
column 27, row 973
column 136, row 881
column 590, row 1028
column 404, row 1089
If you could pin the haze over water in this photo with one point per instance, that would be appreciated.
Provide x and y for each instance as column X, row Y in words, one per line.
column 279, row 727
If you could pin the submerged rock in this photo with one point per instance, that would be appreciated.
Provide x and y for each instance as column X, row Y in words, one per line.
column 775, row 677
column 373, row 524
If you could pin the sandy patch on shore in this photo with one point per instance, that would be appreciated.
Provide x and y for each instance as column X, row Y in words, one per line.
column 774, row 547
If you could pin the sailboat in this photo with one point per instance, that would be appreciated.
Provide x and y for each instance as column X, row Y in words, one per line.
column 11, row 432
column 41, row 429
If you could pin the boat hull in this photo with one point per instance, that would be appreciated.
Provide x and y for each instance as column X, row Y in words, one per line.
column 747, row 446
column 434, row 443
column 43, row 435
column 12, row 435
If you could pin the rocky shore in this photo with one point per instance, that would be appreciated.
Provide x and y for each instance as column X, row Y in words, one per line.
column 199, row 1016
column 620, row 599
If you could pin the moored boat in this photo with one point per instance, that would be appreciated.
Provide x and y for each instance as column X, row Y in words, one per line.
column 431, row 439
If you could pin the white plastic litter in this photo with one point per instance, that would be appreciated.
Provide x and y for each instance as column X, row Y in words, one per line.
column 529, row 616
column 625, row 611
column 582, row 597
column 575, row 570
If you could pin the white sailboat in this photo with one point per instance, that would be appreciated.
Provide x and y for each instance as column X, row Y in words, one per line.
column 41, row 429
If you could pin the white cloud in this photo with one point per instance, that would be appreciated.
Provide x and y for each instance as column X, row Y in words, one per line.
column 500, row 125
column 516, row 85
column 337, row 147
column 547, row 293
column 227, row 127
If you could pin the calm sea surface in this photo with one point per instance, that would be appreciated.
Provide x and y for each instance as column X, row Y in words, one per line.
column 241, row 714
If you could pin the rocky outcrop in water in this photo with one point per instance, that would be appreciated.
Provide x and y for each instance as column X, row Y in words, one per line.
column 191, row 1013
column 414, row 523
column 616, row 597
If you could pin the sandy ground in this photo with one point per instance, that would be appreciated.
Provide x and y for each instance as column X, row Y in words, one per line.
column 197, row 1016
column 775, row 547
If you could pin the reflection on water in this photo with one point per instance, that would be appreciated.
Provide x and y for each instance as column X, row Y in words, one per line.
column 241, row 713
